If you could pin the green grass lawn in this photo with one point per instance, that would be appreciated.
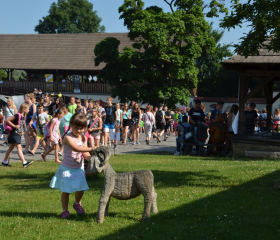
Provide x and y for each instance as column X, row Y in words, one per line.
column 198, row 198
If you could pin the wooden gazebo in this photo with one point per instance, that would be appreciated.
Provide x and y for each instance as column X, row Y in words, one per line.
column 266, row 68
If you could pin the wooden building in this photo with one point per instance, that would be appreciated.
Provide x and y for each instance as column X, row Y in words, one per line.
column 61, row 55
column 264, row 67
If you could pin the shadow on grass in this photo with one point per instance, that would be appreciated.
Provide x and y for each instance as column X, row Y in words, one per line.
column 248, row 211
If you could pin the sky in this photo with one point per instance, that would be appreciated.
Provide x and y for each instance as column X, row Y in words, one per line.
column 21, row 17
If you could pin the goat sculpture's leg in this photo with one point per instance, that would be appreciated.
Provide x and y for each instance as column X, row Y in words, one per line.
column 101, row 209
column 107, row 207
column 147, row 207
column 154, row 204
column 103, row 200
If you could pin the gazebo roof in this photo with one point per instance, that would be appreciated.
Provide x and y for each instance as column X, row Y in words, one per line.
column 265, row 57
column 53, row 51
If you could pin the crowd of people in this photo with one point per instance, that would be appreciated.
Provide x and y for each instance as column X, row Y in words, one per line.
column 47, row 120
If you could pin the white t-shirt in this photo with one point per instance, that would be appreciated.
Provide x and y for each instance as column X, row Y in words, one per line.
column 42, row 119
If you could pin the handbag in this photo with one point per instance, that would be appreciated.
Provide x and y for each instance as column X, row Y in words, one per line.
column 87, row 134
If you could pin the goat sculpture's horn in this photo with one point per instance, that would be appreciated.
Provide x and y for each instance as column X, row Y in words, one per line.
column 104, row 151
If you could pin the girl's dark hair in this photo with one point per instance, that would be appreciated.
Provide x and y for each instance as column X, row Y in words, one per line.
column 59, row 111
column 78, row 119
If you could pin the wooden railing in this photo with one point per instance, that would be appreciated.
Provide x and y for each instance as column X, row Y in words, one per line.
column 57, row 87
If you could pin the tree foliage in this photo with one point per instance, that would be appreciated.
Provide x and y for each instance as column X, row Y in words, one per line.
column 213, row 80
column 3, row 74
column 263, row 18
column 160, row 66
column 70, row 16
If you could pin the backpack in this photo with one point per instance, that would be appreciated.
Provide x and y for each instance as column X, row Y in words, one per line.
column 47, row 129
column 9, row 128
column 201, row 132
column 187, row 132
column 159, row 116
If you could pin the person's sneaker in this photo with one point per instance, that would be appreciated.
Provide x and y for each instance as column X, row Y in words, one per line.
column 6, row 164
column 138, row 142
column 79, row 209
column 158, row 139
column 25, row 151
column 148, row 142
column 25, row 165
column 134, row 143
column 65, row 215
column 60, row 154
column 164, row 139
column 176, row 153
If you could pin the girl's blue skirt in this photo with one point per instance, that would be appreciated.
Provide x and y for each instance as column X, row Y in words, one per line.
column 69, row 180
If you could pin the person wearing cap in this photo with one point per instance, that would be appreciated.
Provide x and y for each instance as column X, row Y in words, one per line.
column 196, row 114
column 217, row 110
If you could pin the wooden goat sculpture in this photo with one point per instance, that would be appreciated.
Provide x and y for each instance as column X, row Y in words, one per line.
column 122, row 186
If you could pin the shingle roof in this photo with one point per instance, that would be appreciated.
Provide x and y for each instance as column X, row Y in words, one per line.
column 265, row 57
column 53, row 51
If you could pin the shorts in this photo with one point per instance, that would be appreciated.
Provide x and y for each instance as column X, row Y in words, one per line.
column 125, row 122
column 39, row 135
column 109, row 127
column 94, row 137
column 167, row 126
column 160, row 125
column 14, row 138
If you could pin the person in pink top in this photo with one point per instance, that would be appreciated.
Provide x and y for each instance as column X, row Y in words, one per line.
column 149, row 121
column 55, row 137
column 70, row 176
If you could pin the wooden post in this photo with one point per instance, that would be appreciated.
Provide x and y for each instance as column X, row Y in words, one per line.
column 242, row 89
column 268, row 90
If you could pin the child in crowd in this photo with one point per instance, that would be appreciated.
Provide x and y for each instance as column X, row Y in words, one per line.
column 86, row 104
column 94, row 128
column 64, row 124
column 41, row 118
column 72, row 105
column 141, row 130
column 14, row 138
column 126, row 116
column 115, row 136
column 70, row 177
column 110, row 120
column 119, row 113
column 54, row 136
column 102, row 115
column 1, row 125
column 89, row 109
column 9, row 110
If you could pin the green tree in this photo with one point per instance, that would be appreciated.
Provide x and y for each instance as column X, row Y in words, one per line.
column 263, row 18
column 213, row 80
column 3, row 74
column 70, row 16
column 160, row 65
